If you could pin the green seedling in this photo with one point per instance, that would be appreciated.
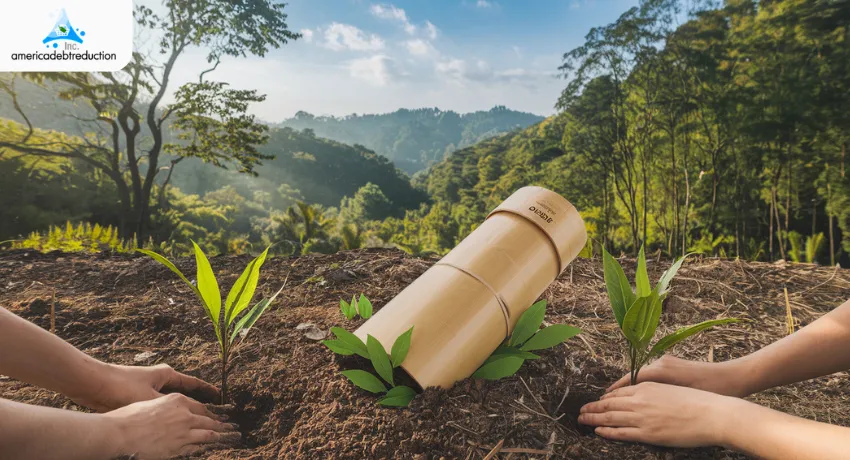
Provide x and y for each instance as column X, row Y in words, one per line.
column 225, row 323
column 638, row 310
column 348, row 344
column 363, row 306
column 526, row 337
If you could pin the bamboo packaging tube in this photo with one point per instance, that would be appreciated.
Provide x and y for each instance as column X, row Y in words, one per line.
column 464, row 306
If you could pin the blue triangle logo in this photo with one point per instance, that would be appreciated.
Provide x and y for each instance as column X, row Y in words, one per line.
column 63, row 30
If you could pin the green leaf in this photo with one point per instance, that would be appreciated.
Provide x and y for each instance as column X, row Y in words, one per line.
column 339, row 347
column 499, row 367
column 352, row 341
column 247, row 321
column 636, row 320
column 364, row 307
column 664, row 282
column 379, row 358
column 243, row 290
column 347, row 310
column 550, row 337
column 665, row 343
column 529, row 322
column 400, row 347
column 642, row 287
column 399, row 396
column 619, row 290
column 511, row 351
column 207, row 284
column 365, row 381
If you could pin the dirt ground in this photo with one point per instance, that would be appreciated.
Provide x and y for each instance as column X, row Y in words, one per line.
column 293, row 403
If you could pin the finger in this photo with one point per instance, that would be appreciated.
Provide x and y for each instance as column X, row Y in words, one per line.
column 213, row 437
column 182, row 383
column 619, row 434
column 609, row 404
column 200, row 409
column 618, row 384
column 620, row 392
column 206, row 423
column 614, row 419
column 220, row 409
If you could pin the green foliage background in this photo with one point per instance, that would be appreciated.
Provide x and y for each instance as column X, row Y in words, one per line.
column 725, row 133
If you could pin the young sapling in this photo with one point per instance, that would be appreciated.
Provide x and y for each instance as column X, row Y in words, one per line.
column 638, row 310
column 225, row 323
column 348, row 344
column 526, row 337
column 363, row 307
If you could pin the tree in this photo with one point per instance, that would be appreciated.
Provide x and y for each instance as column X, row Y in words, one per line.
column 126, row 133
column 368, row 203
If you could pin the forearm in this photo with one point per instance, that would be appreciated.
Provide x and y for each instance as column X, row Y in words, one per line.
column 765, row 433
column 40, row 432
column 811, row 352
column 33, row 355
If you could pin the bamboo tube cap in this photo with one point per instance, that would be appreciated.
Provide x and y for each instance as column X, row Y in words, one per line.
column 553, row 214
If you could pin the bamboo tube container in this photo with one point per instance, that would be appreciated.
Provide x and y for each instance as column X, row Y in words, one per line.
column 465, row 305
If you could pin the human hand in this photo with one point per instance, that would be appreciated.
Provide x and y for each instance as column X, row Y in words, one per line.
column 169, row 426
column 664, row 415
column 722, row 378
column 124, row 385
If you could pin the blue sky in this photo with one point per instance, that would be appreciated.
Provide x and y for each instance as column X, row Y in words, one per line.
column 359, row 56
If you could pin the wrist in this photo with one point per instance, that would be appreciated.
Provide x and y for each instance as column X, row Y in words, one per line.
column 110, row 436
column 731, row 418
column 744, row 376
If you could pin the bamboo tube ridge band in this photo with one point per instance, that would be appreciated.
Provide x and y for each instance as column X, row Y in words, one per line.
column 496, row 295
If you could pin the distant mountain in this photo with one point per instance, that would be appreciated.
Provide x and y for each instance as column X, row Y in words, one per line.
column 414, row 139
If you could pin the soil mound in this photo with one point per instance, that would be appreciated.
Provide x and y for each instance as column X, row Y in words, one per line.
column 293, row 403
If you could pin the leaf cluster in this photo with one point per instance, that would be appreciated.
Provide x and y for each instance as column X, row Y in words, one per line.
column 526, row 337
column 363, row 307
column 638, row 310
column 348, row 344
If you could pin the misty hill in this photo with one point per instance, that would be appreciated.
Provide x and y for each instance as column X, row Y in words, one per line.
column 415, row 139
column 322, row 170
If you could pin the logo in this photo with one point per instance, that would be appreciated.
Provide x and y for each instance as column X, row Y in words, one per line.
column 64, row 31
column 541, row 214
column 66, row 35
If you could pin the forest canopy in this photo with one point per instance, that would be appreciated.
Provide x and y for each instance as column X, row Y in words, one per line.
column 720, row 129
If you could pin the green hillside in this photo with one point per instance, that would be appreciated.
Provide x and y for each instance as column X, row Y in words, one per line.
column 415, row 139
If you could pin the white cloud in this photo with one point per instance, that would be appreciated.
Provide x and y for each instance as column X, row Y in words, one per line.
column 340, row 37
column 431, row 30
column 308, row 35
column 378, row 70
column 460, row 71
column 421, row 48
column 484, row 4
column 392, row 13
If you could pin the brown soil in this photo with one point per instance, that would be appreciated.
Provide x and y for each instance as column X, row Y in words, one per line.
column 293, row 403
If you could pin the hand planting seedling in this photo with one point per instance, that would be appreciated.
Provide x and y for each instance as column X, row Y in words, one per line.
column 362, row 306
column 638, row 311
column 348, row 344
column 227, row 328
column 527, row 337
